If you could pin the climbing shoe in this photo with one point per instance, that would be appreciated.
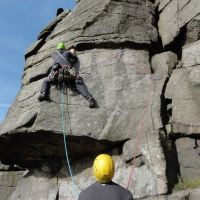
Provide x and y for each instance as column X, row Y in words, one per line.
column 92, row 102
column 42, row 96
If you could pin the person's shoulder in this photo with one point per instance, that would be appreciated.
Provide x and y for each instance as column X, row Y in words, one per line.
column 84, row 193
column 122, row 189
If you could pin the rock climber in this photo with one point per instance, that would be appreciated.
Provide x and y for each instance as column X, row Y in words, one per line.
column 61, row 72
column 104, row 188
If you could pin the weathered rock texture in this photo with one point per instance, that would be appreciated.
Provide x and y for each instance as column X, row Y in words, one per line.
column 148, row 102
column 8, row 182
column 175, row 14
column 189, row 161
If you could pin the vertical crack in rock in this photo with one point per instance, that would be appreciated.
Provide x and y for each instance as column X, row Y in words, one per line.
column 171, row 157
column 167, row 142
column 178, row 42
column 165, row 112
column 57, row 195
column 156, row 47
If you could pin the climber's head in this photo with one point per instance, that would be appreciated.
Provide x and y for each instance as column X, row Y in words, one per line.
column 103, row 168
column 72, row 50
column 61, row 45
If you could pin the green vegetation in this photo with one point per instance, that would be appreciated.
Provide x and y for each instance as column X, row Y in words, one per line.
column 187, row 184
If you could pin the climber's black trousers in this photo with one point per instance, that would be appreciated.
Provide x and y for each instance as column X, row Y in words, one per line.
column 71, row 82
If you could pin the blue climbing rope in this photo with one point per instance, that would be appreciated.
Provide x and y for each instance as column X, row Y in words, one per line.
column 63, row 131
column 64, row 137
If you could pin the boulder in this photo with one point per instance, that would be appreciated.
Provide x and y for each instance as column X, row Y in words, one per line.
column 175, row 15
column 188, row 157
column 190, row 54
column 164, row 63
column 183, row 89
column 193, row 30
column 185, row 107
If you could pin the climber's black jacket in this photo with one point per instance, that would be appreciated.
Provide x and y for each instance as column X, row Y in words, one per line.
column 108, row 191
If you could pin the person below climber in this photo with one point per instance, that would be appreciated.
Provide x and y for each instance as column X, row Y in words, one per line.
column 64, row 62
column 104, row 188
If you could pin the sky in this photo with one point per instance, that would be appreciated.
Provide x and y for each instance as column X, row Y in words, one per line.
column 20, row 23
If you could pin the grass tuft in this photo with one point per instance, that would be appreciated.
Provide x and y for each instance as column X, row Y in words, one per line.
column 187, row 184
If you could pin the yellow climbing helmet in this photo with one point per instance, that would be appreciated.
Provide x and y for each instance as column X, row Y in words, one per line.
column 103, row 168
column 61, row 45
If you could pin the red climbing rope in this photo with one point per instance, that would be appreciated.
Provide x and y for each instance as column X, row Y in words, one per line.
column 139, row 133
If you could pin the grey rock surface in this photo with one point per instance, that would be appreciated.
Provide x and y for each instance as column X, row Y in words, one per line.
column 183, row 89
column 40, row 185
column 188, row 156
column 50, row 27
column 35, row 186
column 155, row 198
column 193, row 30
column 103, row 21
column 174, row 16
column 194, row 194
column 8, row 182
column 185, row 106
column 110, row 76
column 162, row 4
column 185, row 195
column 191, row 55
column 182, row 195
column 164, row 63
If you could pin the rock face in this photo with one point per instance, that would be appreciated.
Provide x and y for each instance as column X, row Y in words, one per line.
column 183, row 90
column 9, row 180
column 188, row 151
column 174, row 16
column 193, row 30
column 147, row 103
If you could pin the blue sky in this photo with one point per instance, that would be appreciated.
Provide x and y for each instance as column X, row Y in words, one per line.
column 20, row 22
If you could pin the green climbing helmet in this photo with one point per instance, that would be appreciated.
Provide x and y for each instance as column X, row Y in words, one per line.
column 61, row 45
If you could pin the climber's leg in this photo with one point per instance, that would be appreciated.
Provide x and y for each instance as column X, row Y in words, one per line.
column 45, row 89
column 83, row 90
